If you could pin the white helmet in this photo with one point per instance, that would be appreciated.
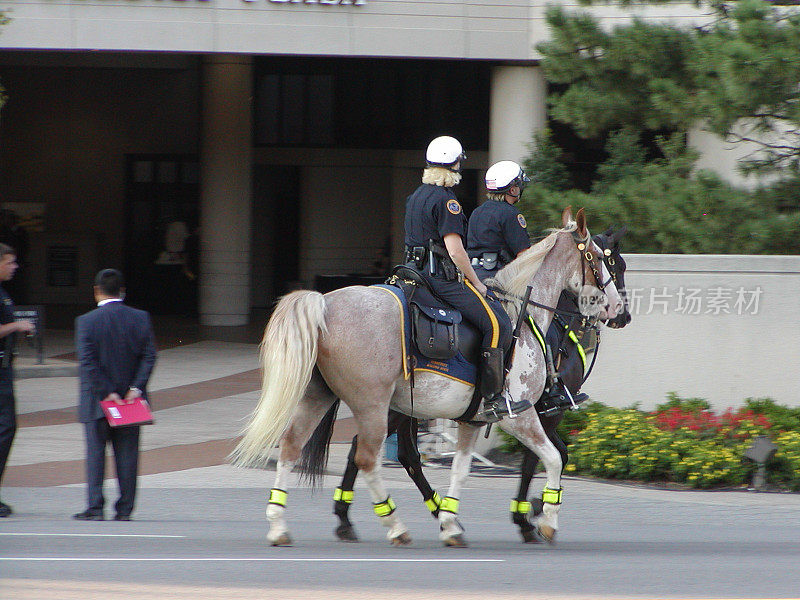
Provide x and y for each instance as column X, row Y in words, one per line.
column 444, row 151
column 505, row 174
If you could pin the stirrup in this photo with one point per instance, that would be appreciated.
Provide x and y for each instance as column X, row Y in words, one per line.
column 498, row 408
column 555, row 403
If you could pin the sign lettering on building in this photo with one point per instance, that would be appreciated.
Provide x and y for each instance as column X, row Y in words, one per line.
column 354, row 2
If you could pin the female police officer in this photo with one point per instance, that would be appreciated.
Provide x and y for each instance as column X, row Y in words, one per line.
column 496, row 235
column 435, row 226
column 497, row 231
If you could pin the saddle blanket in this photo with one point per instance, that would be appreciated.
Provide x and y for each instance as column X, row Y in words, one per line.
column 458, row 367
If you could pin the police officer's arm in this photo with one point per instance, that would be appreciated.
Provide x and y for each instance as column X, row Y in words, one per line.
column 455, row 249
column 23, row 326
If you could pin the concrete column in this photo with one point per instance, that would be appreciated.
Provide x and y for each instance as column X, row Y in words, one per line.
column 518, row 109
column 226, row 190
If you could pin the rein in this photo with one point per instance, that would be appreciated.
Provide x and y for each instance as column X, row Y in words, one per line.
column 508, row 298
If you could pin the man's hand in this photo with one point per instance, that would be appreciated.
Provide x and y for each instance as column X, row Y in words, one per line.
column 132, row 394
column 115, row 397
column 482, row 288
column 25, row 326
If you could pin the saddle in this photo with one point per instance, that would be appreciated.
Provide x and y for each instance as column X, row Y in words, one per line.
column 438, row 331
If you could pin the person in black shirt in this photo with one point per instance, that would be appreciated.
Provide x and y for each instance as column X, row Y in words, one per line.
column 497, row 231
column 497, row 234
column 8, row 330
column 435, row 226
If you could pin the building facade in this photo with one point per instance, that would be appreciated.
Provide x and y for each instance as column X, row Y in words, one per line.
column 283, row 134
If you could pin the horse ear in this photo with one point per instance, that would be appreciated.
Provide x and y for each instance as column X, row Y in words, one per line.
column 580, row 219
column 618, row 235
column 566, row 216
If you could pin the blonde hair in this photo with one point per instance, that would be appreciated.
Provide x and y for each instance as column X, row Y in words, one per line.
column 497, row 196
column 441, row 177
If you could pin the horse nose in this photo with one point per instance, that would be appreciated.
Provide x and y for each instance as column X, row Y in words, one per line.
column 614, row 308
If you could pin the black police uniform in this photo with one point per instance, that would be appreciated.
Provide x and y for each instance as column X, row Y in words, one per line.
column 496, row 234
column 8, row 414
column 431, row 213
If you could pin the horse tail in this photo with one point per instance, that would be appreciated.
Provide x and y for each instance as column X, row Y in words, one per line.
column 288, row 353
column 314, row 456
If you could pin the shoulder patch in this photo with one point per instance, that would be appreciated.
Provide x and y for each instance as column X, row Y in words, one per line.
column 453, row 206
column 523, row 223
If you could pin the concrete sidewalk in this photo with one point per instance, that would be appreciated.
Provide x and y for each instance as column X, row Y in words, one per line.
column 202, row 392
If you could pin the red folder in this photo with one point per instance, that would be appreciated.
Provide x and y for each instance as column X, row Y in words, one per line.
column 120, row 415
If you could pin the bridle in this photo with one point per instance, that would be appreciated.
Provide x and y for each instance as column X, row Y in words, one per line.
column 588, row 257
column 583, row 243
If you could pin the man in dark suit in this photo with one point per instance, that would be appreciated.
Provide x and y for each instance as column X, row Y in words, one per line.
column 117, row 352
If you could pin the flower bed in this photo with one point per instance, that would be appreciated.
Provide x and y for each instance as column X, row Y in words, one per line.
column 682, row 441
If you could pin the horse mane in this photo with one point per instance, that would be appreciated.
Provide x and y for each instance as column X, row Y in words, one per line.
column 516, row 276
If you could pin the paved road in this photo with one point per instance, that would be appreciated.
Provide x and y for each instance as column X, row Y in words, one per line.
column 209, row 543
column 200, row 529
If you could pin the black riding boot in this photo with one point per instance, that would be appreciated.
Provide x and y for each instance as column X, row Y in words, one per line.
column 495, row 406
column 556, row 400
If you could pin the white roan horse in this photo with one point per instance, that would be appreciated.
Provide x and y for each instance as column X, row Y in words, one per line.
column 353, row 337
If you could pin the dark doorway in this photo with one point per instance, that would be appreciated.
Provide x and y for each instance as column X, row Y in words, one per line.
column 276, row 232
column 161, row 212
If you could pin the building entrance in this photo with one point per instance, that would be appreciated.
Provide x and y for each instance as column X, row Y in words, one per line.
column 161, row 229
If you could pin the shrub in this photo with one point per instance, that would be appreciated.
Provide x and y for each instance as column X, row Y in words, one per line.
column 682, row 441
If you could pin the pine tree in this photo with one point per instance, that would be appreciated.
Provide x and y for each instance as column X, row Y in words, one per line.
column 737, row 76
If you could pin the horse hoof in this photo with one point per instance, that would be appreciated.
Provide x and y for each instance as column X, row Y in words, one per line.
column 283, row 540
column 401, row 540
column 346, row 533
column 531, row 537
column 547, row 533
column 456, row 541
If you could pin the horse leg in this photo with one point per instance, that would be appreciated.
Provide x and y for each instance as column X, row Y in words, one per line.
column 371, row 433
column 547, row 521
column 409, row 457
column 534, row 437
column 310, row 410
column 343, row 497
column 520, row 507
column 451, row 532
column 344, row 494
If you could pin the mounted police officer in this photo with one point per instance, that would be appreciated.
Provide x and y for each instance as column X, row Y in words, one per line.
column 496, row 235
column 497, row 231
column 435, row 226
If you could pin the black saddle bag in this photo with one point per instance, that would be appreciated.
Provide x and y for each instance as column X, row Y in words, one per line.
column 435, row 331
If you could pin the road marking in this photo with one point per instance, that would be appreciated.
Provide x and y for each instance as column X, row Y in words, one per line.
column 133, row 535
column 245, row 558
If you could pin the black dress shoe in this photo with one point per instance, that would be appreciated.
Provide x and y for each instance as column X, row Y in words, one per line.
column 122, row 517
column 497, row 408
column 89, row 515
column 5, row 510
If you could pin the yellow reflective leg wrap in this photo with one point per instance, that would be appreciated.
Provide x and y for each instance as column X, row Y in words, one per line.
column 277, row 496
column 551, row 496
column 340, row 495
column 449, row 505
column 434, row 502
column 385, row 508
column 522, row 508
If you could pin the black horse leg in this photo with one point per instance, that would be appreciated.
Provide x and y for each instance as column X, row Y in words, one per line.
column 409, row 457
column 520, row 507
column 343, row 497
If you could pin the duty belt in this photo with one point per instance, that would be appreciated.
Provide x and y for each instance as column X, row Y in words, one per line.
column 487, row 260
